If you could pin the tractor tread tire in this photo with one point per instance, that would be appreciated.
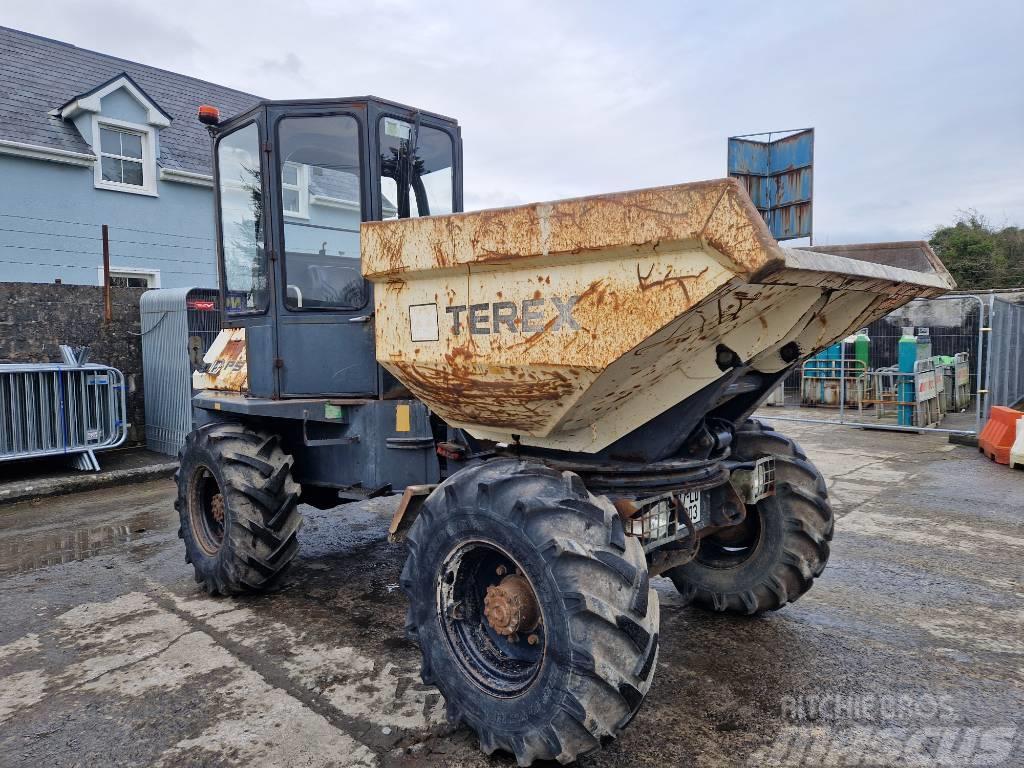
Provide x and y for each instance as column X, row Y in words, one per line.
column 807, row 525
column 262, row 519
column 599, row 575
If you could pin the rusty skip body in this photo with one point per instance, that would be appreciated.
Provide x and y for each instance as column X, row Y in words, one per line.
column 575, row 322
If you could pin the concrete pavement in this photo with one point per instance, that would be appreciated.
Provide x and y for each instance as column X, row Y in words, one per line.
column 909, row 649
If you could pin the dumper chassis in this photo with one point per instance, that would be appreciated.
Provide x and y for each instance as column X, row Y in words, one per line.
column 550, row 456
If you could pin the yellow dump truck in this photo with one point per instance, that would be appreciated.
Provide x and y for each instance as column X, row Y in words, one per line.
column 561, row 392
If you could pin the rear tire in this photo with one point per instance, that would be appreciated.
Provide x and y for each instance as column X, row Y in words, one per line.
column 592, row 653
column 237, row 505
column 781, row 548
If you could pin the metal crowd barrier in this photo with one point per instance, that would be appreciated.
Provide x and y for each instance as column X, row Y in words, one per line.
column 940, row 396
column 1004, row 380
column 834, row 381
column 72, row 408
column 957, row 384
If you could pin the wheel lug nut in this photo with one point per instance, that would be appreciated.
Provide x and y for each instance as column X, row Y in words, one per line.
column 533, row 639
column 501, row 570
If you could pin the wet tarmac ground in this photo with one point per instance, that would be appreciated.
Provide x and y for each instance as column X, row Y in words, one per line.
column 908, row 651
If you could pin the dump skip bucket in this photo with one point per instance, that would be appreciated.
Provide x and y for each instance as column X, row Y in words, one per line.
column 570, row 324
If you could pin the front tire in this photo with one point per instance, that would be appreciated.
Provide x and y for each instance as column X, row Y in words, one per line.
column 237, row 505
column 775, row 555
column 532, row 608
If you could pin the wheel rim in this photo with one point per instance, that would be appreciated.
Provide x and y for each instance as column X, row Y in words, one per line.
column 491, row 618
column 733, row 546
column 206, row 510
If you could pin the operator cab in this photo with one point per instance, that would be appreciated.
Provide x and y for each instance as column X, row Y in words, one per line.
column 294, row 179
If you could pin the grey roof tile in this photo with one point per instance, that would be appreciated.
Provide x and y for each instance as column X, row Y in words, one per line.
column 339, row 185
column 39, row 75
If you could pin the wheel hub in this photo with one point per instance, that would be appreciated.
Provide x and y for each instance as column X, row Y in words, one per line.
column 511, row 607
column 207, row 510
column 491, row 617
column 217, row 508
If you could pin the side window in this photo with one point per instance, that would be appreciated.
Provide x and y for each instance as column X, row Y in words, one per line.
column 416, row 173
column 320, row 194
column 121, row 278
column 241, row 220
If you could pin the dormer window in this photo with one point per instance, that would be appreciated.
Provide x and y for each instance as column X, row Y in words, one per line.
column 120, row 122
column 122, row 156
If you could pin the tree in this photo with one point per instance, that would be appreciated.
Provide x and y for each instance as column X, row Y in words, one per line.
column 978, row 255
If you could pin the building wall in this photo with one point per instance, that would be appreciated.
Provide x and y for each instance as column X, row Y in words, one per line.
column 36, row 319
column 341, row 240
column 51, row 216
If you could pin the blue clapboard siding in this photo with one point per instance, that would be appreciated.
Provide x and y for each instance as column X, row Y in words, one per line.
column 51, row 213
column 50, row 227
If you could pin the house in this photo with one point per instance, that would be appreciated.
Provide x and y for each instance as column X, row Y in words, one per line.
column 88, row 139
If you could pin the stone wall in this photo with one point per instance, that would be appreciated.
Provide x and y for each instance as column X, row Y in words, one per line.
column 36, row 318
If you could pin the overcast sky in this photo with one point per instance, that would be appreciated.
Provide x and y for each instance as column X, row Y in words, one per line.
column 918, row 106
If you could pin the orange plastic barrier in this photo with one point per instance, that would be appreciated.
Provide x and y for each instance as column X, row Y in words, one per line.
column 998, row 435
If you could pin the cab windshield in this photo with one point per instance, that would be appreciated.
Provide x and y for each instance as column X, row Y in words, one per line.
column 416, row 170
column 321, row 204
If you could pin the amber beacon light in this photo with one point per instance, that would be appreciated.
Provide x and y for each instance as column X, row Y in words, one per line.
column 208, row 115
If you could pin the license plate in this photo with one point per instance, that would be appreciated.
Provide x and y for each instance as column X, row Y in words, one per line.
column 690, row 501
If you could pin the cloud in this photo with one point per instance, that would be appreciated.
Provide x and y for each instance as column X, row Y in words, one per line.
column 289, row 64
column 917, row 112
column 127, row 29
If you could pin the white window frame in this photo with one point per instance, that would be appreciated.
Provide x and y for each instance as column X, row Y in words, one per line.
column 149, row 174
column 302, row 187
column 152, row 275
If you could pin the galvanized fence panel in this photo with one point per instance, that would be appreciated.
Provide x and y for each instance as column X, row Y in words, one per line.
column 864, row 385
column 173, row 321
column 1005, row 383
column 53, row 409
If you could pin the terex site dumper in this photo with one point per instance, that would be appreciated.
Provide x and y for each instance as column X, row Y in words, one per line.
column 561, row 392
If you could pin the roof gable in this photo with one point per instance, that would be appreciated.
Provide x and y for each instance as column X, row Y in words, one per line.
column 91, row 101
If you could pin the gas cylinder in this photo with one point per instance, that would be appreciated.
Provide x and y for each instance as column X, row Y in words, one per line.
column 907, row 352
column 924, row 343
column 862, row 350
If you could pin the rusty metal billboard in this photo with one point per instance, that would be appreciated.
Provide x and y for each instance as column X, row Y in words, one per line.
column 779, row 175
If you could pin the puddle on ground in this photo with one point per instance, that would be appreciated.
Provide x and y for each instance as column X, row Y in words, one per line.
column 29, row 551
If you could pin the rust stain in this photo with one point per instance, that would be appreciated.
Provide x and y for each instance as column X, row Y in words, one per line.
column 463, row 392
column 390, row 242
column 669, row 279
column 641, row 218
column 233, row 350
column 596, row 288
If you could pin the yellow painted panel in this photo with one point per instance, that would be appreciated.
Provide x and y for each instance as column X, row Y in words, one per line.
column 402, row 413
